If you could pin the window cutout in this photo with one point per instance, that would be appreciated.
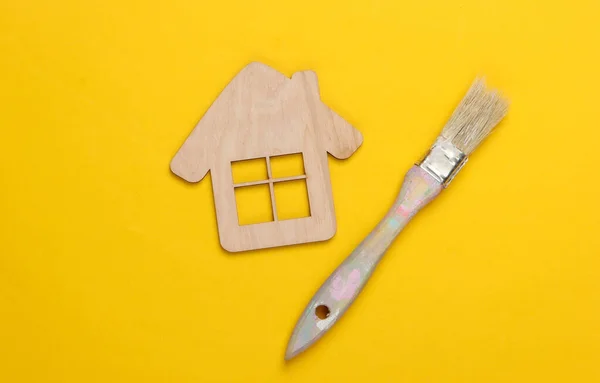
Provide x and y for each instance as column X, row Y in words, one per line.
column 253, row 204
column 291, row 198
column 249, row 170
column 287, row 166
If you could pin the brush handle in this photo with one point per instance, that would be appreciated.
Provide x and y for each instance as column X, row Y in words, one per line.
column 343, row 286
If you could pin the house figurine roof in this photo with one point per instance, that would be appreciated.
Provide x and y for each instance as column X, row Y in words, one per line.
column 247, row 118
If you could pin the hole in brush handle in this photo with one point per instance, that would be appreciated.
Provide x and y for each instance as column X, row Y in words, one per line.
column 322, row 312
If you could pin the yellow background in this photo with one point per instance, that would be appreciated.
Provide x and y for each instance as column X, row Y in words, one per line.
column 110, row 266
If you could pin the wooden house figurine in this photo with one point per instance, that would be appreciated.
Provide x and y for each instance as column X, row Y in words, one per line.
column 261, row 114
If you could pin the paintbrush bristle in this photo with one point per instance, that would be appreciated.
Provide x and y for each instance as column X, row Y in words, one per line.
column 475, row 117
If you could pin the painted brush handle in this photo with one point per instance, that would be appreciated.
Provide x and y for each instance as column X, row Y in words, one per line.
column 343, row 286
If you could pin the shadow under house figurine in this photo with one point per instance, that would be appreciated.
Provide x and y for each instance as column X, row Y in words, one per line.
column 262, row 114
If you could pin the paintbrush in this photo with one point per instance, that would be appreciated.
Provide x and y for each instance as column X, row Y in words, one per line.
column 471, row 122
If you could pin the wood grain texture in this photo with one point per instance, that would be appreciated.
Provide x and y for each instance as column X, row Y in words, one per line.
column 263, row 113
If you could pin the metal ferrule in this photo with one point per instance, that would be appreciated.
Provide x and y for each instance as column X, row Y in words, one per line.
column 443, row 161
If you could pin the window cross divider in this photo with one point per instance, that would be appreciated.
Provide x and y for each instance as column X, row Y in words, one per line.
column 270, row 181
column 272, row 189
